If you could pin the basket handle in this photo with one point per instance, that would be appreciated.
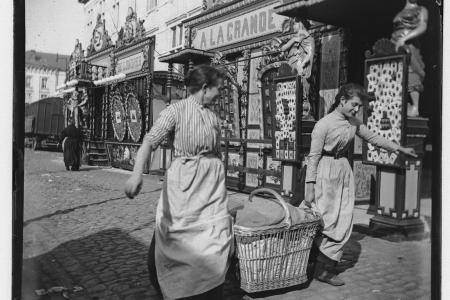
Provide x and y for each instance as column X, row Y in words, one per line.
column 287, row 215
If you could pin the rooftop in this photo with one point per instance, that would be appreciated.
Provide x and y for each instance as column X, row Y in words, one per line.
column 53, row 61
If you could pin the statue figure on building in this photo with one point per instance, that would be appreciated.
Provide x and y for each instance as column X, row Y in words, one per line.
column 78, row 53
column 409, row 24
column 77, row 108
column 83, row 113
column 130, row 25
column 76, row 56
column 72, row 106
column 299, row 52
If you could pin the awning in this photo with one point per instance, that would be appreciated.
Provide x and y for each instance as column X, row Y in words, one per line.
column 364, row 13
column 110, row 79
column 183, row 56
column 165, row 74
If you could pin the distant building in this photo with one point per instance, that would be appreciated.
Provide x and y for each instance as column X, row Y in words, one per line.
column 43, row 73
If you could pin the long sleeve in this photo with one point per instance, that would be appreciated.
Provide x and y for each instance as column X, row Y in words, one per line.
column 317, row 142
column 161, row 128
column 373, row 138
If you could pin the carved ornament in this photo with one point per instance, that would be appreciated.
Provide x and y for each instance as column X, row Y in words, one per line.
column 132, row 31
column 100, row 38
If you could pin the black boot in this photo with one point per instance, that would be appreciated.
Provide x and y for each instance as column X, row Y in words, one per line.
column 326, row 271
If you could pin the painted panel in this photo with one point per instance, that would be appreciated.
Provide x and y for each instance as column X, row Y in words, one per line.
column 288, row 174
column 254, row 101
column 130, row 64
column 411, row 188
column 385, row 78
column 286, row 125
column 253, row 134
column 233, row 160
column 387, row 190
column 363, row 179
column 251, row 179
column 118, row 117
column 123, row 155
column 273, row 165
column 329, row 70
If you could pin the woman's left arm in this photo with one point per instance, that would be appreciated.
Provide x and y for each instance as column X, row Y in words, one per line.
column 373, row 138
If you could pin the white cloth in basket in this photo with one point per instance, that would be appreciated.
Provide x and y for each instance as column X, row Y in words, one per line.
column 265, row 212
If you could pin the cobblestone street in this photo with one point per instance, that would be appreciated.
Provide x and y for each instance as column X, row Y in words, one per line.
column 81, row 231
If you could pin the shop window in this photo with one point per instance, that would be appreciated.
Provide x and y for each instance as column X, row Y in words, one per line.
column 29, row 97
column 28, row 81
column 174, row 36
column 44, row 82
column 180, row 30
column 177, row 35
column 151, row 4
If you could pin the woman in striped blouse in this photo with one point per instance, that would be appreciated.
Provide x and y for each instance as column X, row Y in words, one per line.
column 193, row 235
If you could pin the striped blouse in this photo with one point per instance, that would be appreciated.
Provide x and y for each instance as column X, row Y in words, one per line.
column 195, row 128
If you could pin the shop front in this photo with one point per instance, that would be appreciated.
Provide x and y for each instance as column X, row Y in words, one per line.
column 111, row 91
column 394, row 51
column 273, row 94
column 285, row 61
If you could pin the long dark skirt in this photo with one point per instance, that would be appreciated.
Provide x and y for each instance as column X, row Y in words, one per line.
column 72, row 153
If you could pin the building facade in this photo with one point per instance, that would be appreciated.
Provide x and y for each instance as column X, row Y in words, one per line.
column 162, row 20
column 44, row 72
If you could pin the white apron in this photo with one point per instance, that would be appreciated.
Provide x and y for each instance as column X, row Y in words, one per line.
column 193, row 228
column 335, row 199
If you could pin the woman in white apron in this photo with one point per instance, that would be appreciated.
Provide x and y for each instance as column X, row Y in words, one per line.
column 193, row 237
column 329, row 177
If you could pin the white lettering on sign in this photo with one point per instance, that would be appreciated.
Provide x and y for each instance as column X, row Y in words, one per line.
column 247, row 26
column 130, row 64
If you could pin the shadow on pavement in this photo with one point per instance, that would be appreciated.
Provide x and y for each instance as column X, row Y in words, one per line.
column 352, row 251
column 66, row 211
column 110, row 264
column 107, row 265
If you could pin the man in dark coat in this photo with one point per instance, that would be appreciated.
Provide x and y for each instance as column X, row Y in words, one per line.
column 71, row 138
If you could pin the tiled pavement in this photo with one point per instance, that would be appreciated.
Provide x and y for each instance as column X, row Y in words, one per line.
column 81, row 231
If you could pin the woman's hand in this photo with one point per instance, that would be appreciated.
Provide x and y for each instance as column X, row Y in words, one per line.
column 133, row 186
column 408, row 151
column 310, row 194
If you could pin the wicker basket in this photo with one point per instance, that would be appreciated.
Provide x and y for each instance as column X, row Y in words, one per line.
column 274, row 257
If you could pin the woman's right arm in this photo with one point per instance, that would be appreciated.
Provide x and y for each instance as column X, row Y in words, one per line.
column 317, row 143
column 163, row 125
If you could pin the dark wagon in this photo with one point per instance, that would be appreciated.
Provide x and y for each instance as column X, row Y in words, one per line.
column 44, row 121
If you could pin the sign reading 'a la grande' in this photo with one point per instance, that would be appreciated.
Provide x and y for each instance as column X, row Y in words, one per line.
column 130, row 64
column 247, row 26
